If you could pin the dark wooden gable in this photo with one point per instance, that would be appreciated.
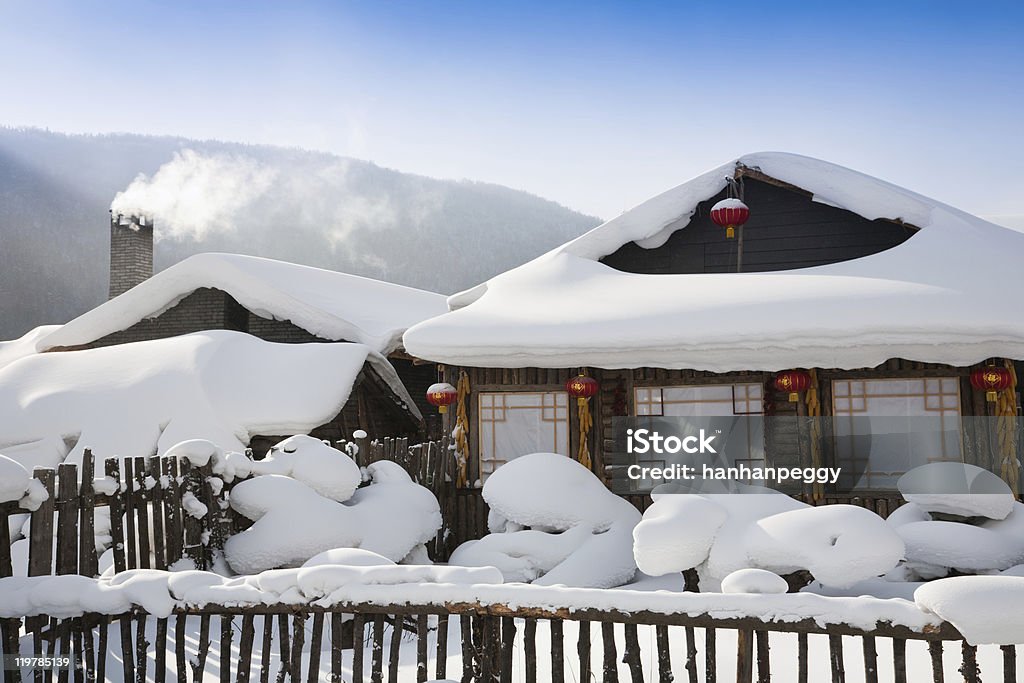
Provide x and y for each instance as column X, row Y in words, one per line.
column 786, row 230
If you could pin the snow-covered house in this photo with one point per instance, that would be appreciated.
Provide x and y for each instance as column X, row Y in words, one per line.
column 274, row 301
column 890, row 298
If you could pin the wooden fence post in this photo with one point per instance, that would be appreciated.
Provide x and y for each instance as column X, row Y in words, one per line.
column 40, row 549
column 112, row 469
column 67, row 519
column 88, row 563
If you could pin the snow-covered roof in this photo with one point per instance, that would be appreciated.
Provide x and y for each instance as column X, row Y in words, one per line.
column 946, row 295
column 140, row 398
column 328, row 304
column 25, row 345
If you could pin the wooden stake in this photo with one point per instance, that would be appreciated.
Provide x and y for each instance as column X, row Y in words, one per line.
column 632, row 654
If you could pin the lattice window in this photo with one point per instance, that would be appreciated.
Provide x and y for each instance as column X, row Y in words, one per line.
column 885, row 427
column 521, row 422
column 745, row 437
column 711, row 400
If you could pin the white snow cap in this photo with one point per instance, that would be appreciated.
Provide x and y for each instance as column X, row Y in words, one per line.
column 142, row 398
column 928, row 299
column 839, row 544
column 757, row 581
column 302, row 506
column 956, row 488
column 580, row 533
column 331, row 305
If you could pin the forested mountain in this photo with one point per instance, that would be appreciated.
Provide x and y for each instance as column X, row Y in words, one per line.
column 301, row 206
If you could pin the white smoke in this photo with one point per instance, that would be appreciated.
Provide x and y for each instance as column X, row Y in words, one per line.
column 195, row 194
column 350, row 215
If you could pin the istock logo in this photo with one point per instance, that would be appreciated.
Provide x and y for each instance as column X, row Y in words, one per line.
column 642, row 441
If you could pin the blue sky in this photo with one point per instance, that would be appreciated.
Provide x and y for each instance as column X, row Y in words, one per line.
column 595, row 105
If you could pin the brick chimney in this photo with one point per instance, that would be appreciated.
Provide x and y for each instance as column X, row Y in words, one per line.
column 131, row 252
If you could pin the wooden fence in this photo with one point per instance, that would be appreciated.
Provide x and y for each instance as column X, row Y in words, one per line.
column 164, row 509
column 358, row 643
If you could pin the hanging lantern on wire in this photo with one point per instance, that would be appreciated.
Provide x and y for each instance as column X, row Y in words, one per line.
column 442, row 395
column 730, row 214
column 793, row 381
column 581, row 388
column 991, row 379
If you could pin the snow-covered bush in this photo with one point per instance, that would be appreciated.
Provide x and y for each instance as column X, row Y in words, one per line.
column 719, row 534
column 307, row 503
column 554, row 522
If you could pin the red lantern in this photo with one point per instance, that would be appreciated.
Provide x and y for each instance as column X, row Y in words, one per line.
column 442, row 395
column 582, row 388
column 991, row 379
column 793, row 381
column 730, row 213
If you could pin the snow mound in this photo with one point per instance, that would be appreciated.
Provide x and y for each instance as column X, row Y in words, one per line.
column 554, row 523
column 142, row 398
column 755, row 581
column 719, row 534
column 328, row 304
column 955, row 488
column 350, row 557
column 293, row 521
column 838, row 544
column 14, row 480
column 662, row 547
column 991, row 545
column 326, row 470
column 983, row 608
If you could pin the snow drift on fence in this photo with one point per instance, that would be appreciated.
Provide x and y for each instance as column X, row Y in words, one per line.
column 328, row 304
column 161, row 592
column 141, row 398
column 929, row 299
column 985, row 609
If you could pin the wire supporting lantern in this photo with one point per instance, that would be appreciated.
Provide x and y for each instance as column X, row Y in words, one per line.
column 442, row 395
column 730, row 214
column 581, row 388
column 991, row 379
column 794, row 382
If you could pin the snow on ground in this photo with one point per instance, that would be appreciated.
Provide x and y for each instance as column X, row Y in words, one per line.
column 138, row 399
column 554, row 522
column 25, row 345
column 308, row 503
column 328, row 304
column 913, row 301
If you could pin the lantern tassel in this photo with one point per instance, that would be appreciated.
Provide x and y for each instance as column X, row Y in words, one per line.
column 730, row 232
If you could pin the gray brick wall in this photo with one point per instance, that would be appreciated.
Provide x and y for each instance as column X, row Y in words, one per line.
column 131, row 253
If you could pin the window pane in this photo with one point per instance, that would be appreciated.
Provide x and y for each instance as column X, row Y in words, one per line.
column 518, row 423
column 885, row 427
column 745, row 437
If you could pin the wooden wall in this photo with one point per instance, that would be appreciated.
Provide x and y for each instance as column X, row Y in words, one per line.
column 786, row 230
column 783, row 445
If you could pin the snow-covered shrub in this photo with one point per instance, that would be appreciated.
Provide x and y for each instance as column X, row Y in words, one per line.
column 553, row 522
column 958, row 517
column 755, row 581
column 958, row 489
column 310, row 505
column 719, row 534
